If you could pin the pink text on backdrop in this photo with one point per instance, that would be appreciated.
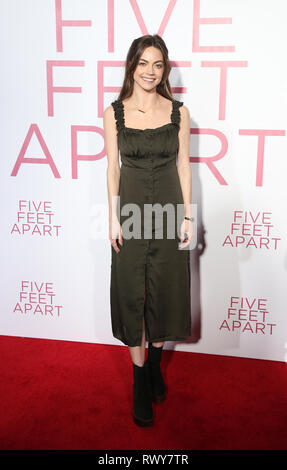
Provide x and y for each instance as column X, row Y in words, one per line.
column 253, row 230
column 37, row 299
column 244, row 315
column 208, row 161
column 35, row 219
column 61, row 23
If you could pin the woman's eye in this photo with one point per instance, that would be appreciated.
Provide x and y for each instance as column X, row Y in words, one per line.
column 159, row 66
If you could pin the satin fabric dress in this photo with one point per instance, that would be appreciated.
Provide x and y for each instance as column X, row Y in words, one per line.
column 150, row 277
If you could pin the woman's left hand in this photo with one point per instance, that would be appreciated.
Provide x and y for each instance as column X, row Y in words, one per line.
column 186, row 233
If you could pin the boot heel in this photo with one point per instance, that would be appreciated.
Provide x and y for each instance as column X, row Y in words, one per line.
column 142, row 408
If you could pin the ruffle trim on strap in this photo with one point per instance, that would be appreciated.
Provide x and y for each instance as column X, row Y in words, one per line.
column 175, row 115
column 119, row 114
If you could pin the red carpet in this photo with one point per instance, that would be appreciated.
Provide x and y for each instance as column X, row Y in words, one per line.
column 68, row 395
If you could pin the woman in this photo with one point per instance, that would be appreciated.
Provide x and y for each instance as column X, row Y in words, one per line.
column 150, row 274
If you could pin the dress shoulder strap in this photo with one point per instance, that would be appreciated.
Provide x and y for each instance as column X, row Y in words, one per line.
column 175, row 115
column 119, row 114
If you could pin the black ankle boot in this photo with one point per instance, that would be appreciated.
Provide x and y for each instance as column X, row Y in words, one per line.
column 142, row 409
column 157, row 386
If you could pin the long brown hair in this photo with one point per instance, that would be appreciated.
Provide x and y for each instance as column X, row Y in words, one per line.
column 135, row 51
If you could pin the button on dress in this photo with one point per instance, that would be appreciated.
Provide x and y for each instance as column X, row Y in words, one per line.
column 150, row 275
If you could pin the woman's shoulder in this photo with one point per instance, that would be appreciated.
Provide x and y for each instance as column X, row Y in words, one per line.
column 180, row 112
column 113, row 108
column 114, row 104
column 108, row 111
column 111, row 114
column 181, row 107
column 184, row 114
column 177, row 103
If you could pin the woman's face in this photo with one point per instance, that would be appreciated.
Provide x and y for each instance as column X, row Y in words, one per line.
column 150, row 68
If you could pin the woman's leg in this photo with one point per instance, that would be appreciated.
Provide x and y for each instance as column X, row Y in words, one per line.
column 138, row 352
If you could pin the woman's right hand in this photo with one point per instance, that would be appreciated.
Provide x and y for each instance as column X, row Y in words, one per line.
column 114, row 233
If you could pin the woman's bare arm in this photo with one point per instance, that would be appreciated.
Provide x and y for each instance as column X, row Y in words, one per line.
column 113, row 174
column 184, row 172
column 183, row 164
column 113, row 169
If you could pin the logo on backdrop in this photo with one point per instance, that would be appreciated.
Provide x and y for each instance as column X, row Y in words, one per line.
column 37, row 299
column 35, row 218
column 252, row 229
column 248, row 315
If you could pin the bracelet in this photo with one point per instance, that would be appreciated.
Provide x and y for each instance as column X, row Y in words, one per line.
column 189, row 218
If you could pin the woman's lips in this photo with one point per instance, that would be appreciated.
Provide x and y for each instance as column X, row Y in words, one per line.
column 148, row 80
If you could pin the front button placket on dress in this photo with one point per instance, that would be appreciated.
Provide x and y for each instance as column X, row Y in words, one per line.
column 150, row 188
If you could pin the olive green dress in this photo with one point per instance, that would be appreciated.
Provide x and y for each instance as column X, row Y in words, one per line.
column 150, row 277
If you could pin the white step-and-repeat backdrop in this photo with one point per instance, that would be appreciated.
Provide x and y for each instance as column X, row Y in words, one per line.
column 62, row 65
